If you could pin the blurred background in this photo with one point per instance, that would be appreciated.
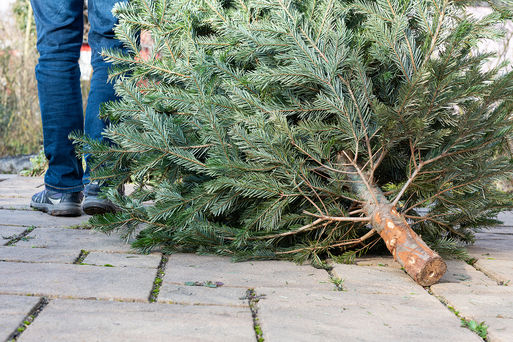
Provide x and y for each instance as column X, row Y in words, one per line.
column 20, row 123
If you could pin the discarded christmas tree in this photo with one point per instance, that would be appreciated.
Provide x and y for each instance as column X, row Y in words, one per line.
column 300, row 129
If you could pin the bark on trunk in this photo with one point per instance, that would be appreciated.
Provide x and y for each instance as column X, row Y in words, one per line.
column 422, row 264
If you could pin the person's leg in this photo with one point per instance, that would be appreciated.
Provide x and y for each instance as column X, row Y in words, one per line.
column 101, row 37
column 59, row 25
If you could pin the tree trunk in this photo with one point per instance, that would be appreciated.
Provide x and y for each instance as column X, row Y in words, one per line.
column 422, row 264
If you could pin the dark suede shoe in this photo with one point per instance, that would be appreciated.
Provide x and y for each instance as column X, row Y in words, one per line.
column 58, row 203
column 94, row 204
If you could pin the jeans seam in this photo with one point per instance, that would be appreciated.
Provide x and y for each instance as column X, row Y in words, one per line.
column 78, row 187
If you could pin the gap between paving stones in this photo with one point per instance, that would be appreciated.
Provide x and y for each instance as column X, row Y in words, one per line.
column 118, row 300
column 20, row 236
column 490, row 275
column 81, row 257
column 253, row 300
column 461, row 315
column 28, row 319
column 159, row 278
column 455, row 312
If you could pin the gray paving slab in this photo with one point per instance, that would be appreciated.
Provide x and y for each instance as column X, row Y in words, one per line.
column 41, row 255
column 490, row 304
column 496, row 243
column 306, row 315
column 8, row 232
column 20, row 182
column 123, row 260
column 369, row 279
column 65, row 238
column 5, row 176
column 465, row 275
column 27, row 218
column 506, row 217
column 25, row 194
column 76, row 281
column 377, row 261
column 197, row 295
column 499, row 270
column 13, row 310
column 479, row 298
column 192, row 267
column 14, row 203
column 86, row 321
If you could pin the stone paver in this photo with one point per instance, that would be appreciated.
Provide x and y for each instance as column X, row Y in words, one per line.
column 382, row 280
column 506, row 217
column 378, row 261
column 78, row 281
column 5, row 176
column 191, row 267
column 496, row 242
column 499, row 270
column 16, row 191
column 13, row 310
column 65, row 238
column 464, row 274
column 7, row 233
column 123, row 260
column 236, row 278
column 183, row 294
column 87, row 321
column 41, row 255
column 26, row 218
column 10, row 180
column 306, row 315
column 14, row 203
column 479, row 298
column 490, row 304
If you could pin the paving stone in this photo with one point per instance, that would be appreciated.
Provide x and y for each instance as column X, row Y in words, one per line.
column 490, row 304
column 21, row 183
column 77, row 281
column 123, row 260
column 496, row 242
column 377, row 261
column 65, row 238
column 13, row 310
column 506, row 217
column 41, row 255
column 14, row 203
column 192, row 267
column 5, row 176
column 499, row 270
column 462, row 273
column 7, row 233
column 24, row 194
column 305, row 315
column 183, row 294
column 479, row 298
column 125, row 322
column 369, row 279
column 27, row 218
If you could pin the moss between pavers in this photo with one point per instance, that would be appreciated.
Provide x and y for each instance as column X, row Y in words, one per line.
column 159, row 278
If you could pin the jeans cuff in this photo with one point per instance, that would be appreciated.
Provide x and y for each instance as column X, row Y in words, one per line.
column 77, row 188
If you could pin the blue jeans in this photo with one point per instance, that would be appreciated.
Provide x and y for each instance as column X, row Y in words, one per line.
column 59, row 25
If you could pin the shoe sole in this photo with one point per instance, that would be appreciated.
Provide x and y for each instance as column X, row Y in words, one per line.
column 97, row 207
column 60, row 209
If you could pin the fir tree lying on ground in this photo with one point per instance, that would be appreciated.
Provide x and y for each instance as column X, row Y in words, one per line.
column 299, row 129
